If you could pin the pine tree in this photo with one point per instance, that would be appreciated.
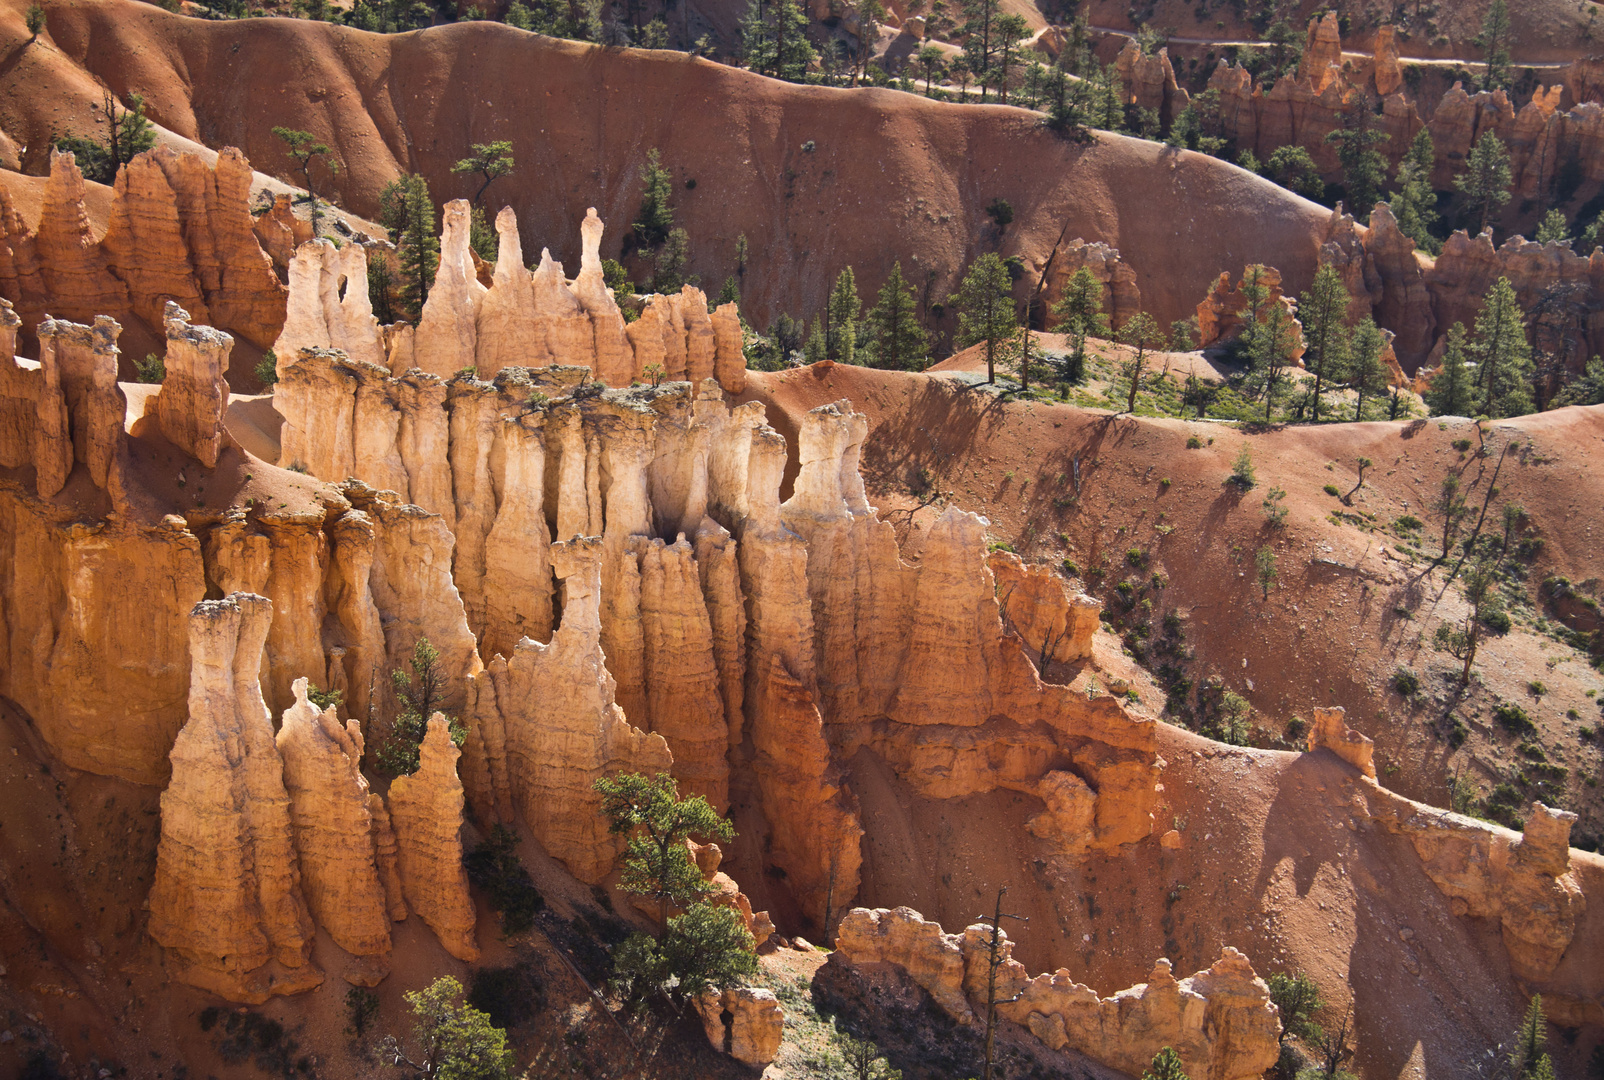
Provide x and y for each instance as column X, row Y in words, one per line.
column 1324, row 312
column 657, row 863
column 1166, row 1066
column 841, row 319
column 985, row 305
column 669, row 274
column 774, row 41
column 1494, row 41
column 1363, row 169
column 305, row 149
column 1414, row 205
column 1078, row 314
column 1554, row 229
column 1293, row 168
column 1271, row 352
column 1486, row 180
column 1528, row 1056
column 815, row 349
column 1256, row 292
column 1503, row 355
column 1007, row 33
column 1368, row 375
column 1587, row 389
column 979, row 38
column 489, row 161
column 406, row 210
column 1452, row 389
column 419, row 695
column 899, row 342
column 1140, row 333
column 655, row 219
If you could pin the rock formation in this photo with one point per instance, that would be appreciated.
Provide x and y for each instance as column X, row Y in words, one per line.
column 1052, row 623
column 745, row 1023
column 426, row 812
column 180, row 230
column 194, row 393
column 1220, row 1021
column 334, row 829
column 534, row 751
column 227, row 897
column 1222, row 313
column 1330, row 731
column 522, row 320
column 1122, row 297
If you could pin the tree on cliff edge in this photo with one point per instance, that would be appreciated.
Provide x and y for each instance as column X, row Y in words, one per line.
column 1486, row 180
column 407, row 211
column 985, row 305
column 306, row 150
column 128, row 133
column 657, row 821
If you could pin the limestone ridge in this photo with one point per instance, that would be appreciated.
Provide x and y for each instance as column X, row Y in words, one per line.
column 1220, row 1021
column 180, row 230
column 227, row 895
column 524, row 319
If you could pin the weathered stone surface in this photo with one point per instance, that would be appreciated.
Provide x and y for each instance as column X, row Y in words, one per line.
column 194, row 394
column 1052, row 622
column 334, row 831
column 79, row 283
column 447, row 339
column 507, row 329
column 1122, row 297
column 426, row 813
column 227, row 898
column 745, row 1023
column 1220, row 1021
column 1330, row 731
column 543, row 726
column 83, row 360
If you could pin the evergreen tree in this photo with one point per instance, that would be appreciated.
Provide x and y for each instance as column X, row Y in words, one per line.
column 489, row 161
column 707, row 948
column 1367, row 375
column 1007, row 33
column 774, row 40
column 1452, row 390
column 1166, row 1066
column 1293, row 168
column 1256, row 292
column 450, row 1040
column 1587, row 389
column 931, row 61
column 669, row 275
column 841, row 319
column 980, row 39
column 985, row 305
column 1503, row 355
column 655, row 218
column 730, row 293
column 1297, row 998
column 815, row 348
column 128, row 134
column 1414, row 205
column 1271, row 353
column 1554, row 229
column 419, row 696
column 1324, row 312
column 1494, row 41
column 899, row 343
column 1079, row 314
column 407, row 211
column 657, row 863
column 305, row 149
column 1486, row 180
column 1363, row 169
column 1141, row 333
column 1527, row 1056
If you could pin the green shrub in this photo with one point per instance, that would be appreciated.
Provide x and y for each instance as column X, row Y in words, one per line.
column 1242, row 472
column 1136, row 556
column 1513, row 718
column 1405, row 682
column 1496, row 619
column 1194, row 443
column 266, row 370
column 1458, row 733
column 152, row 369
column 361, row 1006
column 1332, row 489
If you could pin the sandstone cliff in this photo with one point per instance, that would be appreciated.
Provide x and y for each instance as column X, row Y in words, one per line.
column 1220, row 1021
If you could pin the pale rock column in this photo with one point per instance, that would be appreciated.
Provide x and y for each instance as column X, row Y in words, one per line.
column 550, row 710
column 682, row 692
column 729, row 352
column 475, row 416
column 226, row 899
column 352, row 324
column 646, row 336
column 84, row 358
column 508, row 329
column 719, row 568
column 426, row 812
column 194, row 395
column 569, row 337
column 425, row 444
column 316, row 395
column 305, row 323
column 615, row 360
column 334, row 828
column 518, row 595
column 447, row 337
column 701, row 343
column 350, row 600
column 376, row 431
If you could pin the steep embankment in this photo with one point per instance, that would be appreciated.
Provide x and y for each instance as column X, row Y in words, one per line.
column 815, row 178
column 1352, row 601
